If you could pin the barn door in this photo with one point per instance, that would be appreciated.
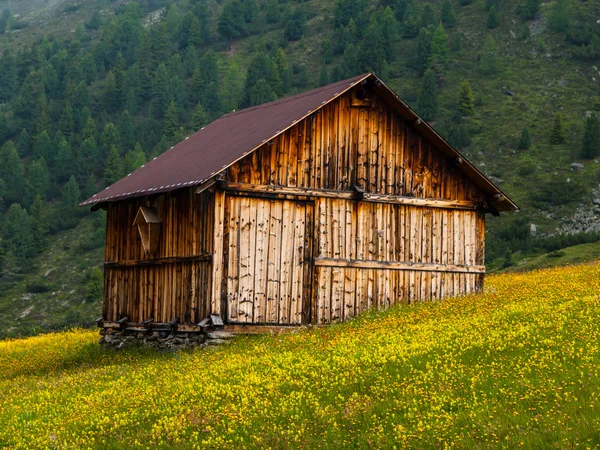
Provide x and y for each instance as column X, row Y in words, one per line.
column 269, row 261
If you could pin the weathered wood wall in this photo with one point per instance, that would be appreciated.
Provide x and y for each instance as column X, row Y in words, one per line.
column 342, row 145
column 174, row 282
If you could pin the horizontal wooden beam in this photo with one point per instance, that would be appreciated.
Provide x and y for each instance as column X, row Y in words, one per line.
column 158, row 261
column 259, row 329
column 350, row 195
column 396, row 265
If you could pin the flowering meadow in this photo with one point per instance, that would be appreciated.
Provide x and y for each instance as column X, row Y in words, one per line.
column 515, row 367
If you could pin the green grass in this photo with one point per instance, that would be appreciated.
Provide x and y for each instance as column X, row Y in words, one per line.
column 515, row 367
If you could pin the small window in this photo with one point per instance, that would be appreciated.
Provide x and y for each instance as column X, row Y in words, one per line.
column 148, row 225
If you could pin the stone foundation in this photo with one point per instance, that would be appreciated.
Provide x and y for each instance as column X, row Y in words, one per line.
column 163, row 340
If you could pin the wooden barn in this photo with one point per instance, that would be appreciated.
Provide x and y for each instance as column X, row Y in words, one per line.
column 307, row 210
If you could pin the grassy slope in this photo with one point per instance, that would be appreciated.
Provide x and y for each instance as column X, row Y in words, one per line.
column 64, row 268
column 517, row 366
column 536, row 79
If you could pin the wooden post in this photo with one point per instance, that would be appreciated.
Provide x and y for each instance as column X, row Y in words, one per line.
column 217, row 262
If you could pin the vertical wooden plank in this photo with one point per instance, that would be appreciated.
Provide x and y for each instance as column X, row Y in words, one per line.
column 274, row 261
column 260, row 260
column 233, row 263
column 284, row 288
column 217, row 272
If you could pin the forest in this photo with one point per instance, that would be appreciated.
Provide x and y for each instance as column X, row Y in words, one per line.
column 80, row 110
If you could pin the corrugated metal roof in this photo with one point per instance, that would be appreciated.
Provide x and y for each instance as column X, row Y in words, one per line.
column 220, row 144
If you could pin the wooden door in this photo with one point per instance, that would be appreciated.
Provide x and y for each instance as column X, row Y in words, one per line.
column 268, row 268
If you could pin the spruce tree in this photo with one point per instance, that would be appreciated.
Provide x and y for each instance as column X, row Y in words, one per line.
column 466, row 101
column 64, row 164
column 492, row 18
column 126, row 127
column 261, row 93
column 489, row 59
column 195, row 34
column 591, row 137
column 171, row 122
column 113, row 168
column 66, row 124
column 232, row 89
column 38, row 179
column 448, row 15
column 24, row 147
column 424, row 48
column 16, row 234
column 135, row 158
column 39, row 224
column 231, row 23
column 323, row 76
column 428, row 16
column 272, row 11
column 90, row 187
column 439, row 45
column 428, row 100
column 160, row 93
column 389, row 30
column 525, row 139
column 199, row 118
column 560, row 16
column 558, row 135
column 71, row 195
column 43, row 147
column 11, row 171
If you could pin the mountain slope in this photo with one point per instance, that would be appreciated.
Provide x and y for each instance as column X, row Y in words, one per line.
column 97, row 88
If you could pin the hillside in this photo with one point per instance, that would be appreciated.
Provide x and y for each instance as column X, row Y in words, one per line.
column 517, row 366
column 92, row 89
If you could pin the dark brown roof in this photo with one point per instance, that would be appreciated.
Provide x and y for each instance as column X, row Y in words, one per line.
column 221, row 143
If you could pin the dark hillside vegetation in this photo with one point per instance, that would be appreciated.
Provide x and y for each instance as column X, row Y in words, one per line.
column 91, row 90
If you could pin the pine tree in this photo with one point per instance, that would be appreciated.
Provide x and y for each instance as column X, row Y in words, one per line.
column 113, row 169
column 90, row 187
column 38, row 179
column 64, row 161
column 41, row 115
column 171, row 122
column 160, row 95
column 591, row 137
column 323, row 76
column 272, row 11
column 492, row 18
column 231, row 23
column 456, row 43
column 261, row 93
column 448, row 15
column 350, row 63
column 525, row 139
column 195, row 34
column 489, row 59
column 16, row 232
column 24, row 147
column 490, row 3
column 199, row 119
column 95, row 21
column 11, row 171
column 560, row 16
column 558, row 135
column 89, row 131
column 39, row 224
column 110, row 136
column 135, row 158
column 428, row 16
column 71, row 195
column 111, row 97
column 295, row 24
column 424, row 48
column 250, row 10
column 209, row 67
column 428, row 100
column 66, row 124
column 439, row 45
column 232, row 90
column 126, row 127
column 283, row 73
column 466, row 101
column 43, row 147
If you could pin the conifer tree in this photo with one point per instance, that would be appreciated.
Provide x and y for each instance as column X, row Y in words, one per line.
column 111, row 97
column 110, row 136
column 160, row 94
column 232, row 90
column 90, row 187
column 560, row 16
column 489, row 59
column 24, row 147
column 283, row 73
column 250, row 10
column 41, row 115
column 428, row 101
column 424, row 48
column 89, row 130
column 38, row 179
column 113, row 169
column 171, row 122
column 323, row 76
column 91, row 156
column 65, row 123
column 199, row 118
column 126, row 127
column 439, row 45
column 466, row 101
column 16, row 233
column 39, row 224
column 492, row 18
column 448, row 15
column 11, row 171
column 261, row 93
column 428, row 16
column 350, row 63
column 195, row 33
column 272, row 11
column 209, row 67
column 295, row 24
column 71, row 195
column 64, row 161
column 558, row 135
column 42, row 147
column 490, row 3
column 525, row 139
column 135, row 158
column 591, row 137
column 231, row 23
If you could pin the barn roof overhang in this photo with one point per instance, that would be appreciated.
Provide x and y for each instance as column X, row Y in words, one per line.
column 202, row 157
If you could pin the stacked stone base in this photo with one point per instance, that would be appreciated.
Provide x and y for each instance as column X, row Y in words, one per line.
column 163, row 340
